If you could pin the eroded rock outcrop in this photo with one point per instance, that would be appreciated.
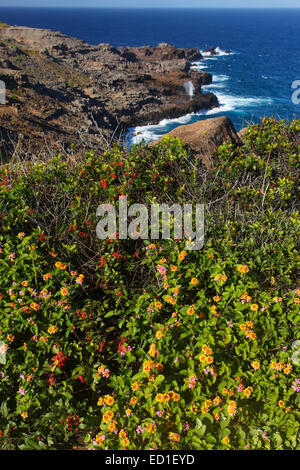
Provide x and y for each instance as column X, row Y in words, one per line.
column 203, row 137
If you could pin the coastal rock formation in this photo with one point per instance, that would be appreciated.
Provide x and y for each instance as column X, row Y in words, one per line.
column 203, row 137
column 214, row 51
column 65, row 92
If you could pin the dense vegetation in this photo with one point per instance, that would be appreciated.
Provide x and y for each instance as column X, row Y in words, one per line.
column 123, row 344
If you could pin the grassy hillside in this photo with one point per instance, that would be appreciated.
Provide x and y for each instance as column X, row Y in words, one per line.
column 123, row 344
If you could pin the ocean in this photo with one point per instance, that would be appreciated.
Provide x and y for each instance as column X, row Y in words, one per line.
column 253, row 82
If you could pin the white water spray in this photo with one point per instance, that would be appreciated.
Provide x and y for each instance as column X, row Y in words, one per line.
column 189, row 88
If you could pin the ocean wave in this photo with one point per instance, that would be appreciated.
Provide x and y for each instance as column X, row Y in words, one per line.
column 236, row 103
column 218, row 81
column 152, row 132
column 227, row 103
column 219, row 52
column 198, row 65
column 220, row 78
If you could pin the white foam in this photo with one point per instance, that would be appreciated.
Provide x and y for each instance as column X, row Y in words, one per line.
column 227, row 103
column 220, row 78
column 218, row 81
column 219, row 52
column 151, row 132
column 231, row 103
column 198, row 66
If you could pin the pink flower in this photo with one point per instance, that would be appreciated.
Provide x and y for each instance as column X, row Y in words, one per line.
column 296, row 385
column 186, row 426
column 139, row 429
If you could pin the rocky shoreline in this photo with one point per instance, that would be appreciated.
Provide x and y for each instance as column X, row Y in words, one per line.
column 63, row 93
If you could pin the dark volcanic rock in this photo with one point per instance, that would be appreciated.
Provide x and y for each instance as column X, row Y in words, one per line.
column 211, row 50
column 63, row 91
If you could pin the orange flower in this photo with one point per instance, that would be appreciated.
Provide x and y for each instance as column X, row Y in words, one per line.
column 191, row 310
column 243, row 268
column 64, row 291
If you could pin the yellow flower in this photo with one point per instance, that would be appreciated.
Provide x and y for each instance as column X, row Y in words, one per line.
column 136, row 385
column 79, row 279
column 217, row 400
column 125, row 442
column 24, row 414
column 194, row 408
column 52, row 329
column 99, row 438
column 151, row 428
column 173, row 268
column 216, row 298
column 34, row 306
column 159, row 334
column 221, row 277
column 226, row 440
column 287, row 370
column 108, row 416
column 281, row 404
column 194, row 281
column 109, row 400
column 254, row 307
column 160, row 397
column 44, row 339
column 133, row 401
column 202, row 358
column 112, row 427
column 60, row 265
column 191, row 310
column 247, row 391
column 174, row 396
column 255, row 365
column 64, row 291
column 147, row 366
column 174, row 436
column 243, row 268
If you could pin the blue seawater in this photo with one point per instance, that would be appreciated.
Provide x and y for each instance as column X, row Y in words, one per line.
column 253, row 82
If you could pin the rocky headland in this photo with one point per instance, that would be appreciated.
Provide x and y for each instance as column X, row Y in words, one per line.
column 65, row 94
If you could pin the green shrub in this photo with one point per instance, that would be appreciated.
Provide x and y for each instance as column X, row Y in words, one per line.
column 123, row 344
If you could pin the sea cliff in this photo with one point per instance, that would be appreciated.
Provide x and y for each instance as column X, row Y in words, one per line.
column 68, row 94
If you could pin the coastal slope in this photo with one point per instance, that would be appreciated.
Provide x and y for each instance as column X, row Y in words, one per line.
column 63, row 93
